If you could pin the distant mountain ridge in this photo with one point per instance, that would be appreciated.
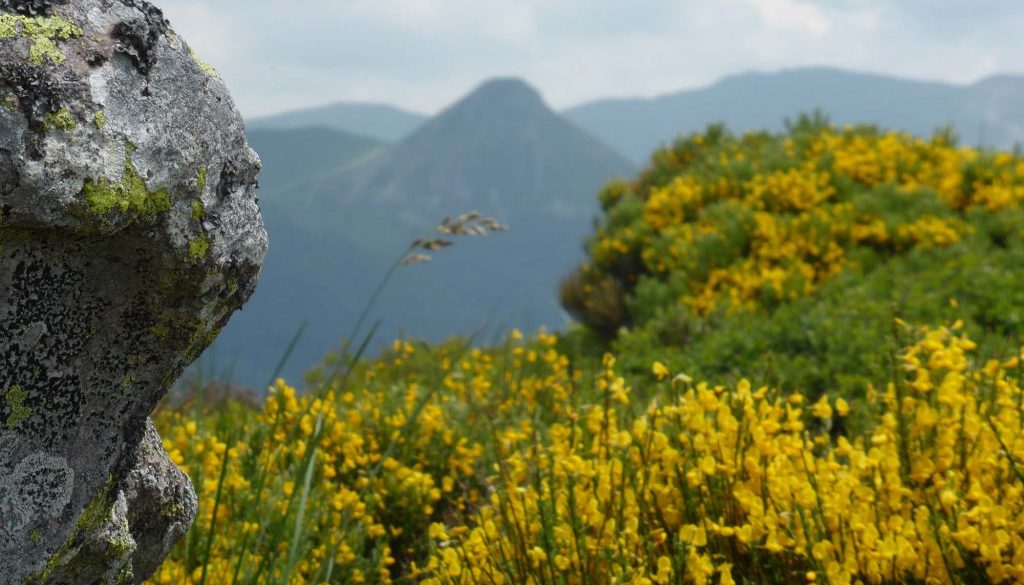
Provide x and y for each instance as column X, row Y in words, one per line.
column 379, row 121
column 988, row 113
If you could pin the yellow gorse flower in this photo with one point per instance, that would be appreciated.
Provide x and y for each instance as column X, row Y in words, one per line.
column 483, row 471
column 716, row 479
column 751, row 230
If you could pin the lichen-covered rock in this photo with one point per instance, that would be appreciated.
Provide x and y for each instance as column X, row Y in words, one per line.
column 129, row 233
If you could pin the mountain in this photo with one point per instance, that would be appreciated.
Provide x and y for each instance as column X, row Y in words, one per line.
column 988, row 113
column 380, row 121
column 501, row 151
column 294, row 155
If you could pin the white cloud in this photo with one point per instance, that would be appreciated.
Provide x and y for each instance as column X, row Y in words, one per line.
column 792, row 15
column 424, row 54
column 205, row 26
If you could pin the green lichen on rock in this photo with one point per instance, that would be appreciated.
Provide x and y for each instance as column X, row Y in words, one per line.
column 198, row 248
column 129, row 196
column 203, row 65
column 173, row 510
column 62, row 120
column 100, row 118
column 120, row 545
column 201, row 179
column 11, row 103
column 127, row 575
column 36, row 537
column 202, row 337
column 42, row 31
column 17, row 411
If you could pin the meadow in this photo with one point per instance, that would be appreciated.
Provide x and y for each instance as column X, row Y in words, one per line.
column 797, row 359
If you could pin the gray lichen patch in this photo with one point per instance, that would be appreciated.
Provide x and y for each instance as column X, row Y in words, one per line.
column 35, row 490
column 43, row 32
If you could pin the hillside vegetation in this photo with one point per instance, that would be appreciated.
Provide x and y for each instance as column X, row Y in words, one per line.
column 797, row 362
column 787, row 258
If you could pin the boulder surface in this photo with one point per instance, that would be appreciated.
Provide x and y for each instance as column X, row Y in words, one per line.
column 129, row 233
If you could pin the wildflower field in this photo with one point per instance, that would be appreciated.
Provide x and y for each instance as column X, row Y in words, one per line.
column 797, row 360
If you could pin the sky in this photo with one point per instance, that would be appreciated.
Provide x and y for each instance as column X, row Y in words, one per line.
column 421, row 55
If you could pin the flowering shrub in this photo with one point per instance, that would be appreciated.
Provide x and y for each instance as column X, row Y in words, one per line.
column 754, row 255
column 446, row 465
column 764, row 217
column 725, row 485
column 341, row 486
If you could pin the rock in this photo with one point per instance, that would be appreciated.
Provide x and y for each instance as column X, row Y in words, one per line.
column 156, row 488
column 129, row 233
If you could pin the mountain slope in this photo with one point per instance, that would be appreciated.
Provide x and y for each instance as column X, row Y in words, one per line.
column 988, row 112
column 501, row 151
column 380, row 121
column 295, row 155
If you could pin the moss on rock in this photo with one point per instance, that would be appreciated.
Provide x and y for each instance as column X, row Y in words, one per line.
column 198, row 248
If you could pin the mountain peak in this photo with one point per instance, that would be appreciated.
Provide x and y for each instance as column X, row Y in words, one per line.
column 504, row 93
column 501, row 150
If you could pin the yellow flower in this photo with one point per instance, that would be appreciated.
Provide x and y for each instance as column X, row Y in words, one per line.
column 842, row 407
column 659, row 370
column 562, row 562
column 822, row 409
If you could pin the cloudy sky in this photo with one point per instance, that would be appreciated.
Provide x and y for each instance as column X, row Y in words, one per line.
column 279, row 55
